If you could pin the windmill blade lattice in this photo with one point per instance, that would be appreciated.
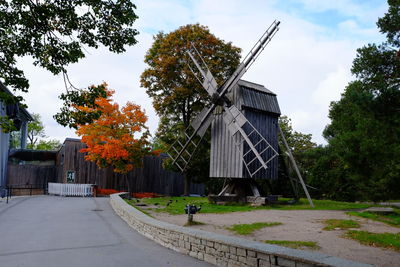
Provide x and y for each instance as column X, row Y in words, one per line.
column 181, row 151
column 257, row 152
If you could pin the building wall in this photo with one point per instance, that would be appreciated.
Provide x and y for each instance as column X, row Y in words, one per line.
column 226, row 157
column 4, row 146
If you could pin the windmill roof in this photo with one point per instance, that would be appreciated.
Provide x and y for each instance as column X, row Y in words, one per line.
column 255, row 86
column 256, row 96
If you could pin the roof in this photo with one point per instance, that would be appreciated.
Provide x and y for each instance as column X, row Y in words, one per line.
column 255, row 96
column 254, row 86
column 23, row 113
column 69, row 139
column 33, row 155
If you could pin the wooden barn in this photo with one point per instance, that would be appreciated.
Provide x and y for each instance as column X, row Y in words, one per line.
column 68, row 165
column 260, row 107
column 20, row 117
column 73, row 168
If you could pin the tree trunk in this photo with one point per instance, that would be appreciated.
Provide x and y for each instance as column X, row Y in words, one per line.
column 186, row 186
column 129, row 186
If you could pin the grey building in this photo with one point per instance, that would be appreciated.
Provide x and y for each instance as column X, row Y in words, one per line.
column 20, row 117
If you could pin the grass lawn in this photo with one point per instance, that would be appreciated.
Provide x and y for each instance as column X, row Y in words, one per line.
column 294, row 244
column 392, row 219
column 386, row 240
column 247, row 229
column 331, row 224
column 176, row 205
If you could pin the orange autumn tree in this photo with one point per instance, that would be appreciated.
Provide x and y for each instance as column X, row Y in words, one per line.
column 118, row 138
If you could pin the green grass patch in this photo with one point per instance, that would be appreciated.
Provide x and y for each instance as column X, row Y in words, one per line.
column 294, row 244
column 132, row 202
column 331, row 224
column 247, row 229
column 386, row 240
column 176, row 205
column 392, row 219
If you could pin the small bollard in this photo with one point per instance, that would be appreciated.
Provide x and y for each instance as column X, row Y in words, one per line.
column 190, row 210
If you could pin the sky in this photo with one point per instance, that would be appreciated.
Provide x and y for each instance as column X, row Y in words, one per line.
column 307, row 64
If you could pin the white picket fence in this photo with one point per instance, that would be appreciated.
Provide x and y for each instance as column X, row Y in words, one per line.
column 78, row 190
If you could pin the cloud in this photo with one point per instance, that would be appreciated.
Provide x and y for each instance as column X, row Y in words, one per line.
column 365, row 11
column 331, row 87
column 306, row 64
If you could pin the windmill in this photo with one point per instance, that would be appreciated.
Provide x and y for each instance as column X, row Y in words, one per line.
column 249, row 151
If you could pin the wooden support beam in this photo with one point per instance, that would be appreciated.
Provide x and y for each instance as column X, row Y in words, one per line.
column 296, row 168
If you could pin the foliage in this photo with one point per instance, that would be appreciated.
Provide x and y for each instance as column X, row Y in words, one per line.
column 386, row 240
column 177, row 95
column 333, row 224
column 110, row 139
column 247, row 229
column 363, row 152
column 297, row 142
column 6, row 124
column 168, row 79
column 391, row 219
column 35, row 131
column 176, row 205
column 294, row 244
column 327, row 172
column 104, row 191
column 70, row 115
column 51, row 144
column 54, row 33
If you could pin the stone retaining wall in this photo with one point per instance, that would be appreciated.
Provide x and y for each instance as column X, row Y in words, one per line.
column 219, row 249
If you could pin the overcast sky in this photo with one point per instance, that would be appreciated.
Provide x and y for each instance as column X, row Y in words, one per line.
column 307, row 64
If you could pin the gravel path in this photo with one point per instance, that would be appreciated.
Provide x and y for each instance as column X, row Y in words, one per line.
column 300, row 225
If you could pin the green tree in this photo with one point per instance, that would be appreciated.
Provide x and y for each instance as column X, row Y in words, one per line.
column 298, row 142
column 51, row 144
column 35, row 134
column 35, row 131
column 70, row 115
column 54, row 33
column 177, row 95
column 364, row 131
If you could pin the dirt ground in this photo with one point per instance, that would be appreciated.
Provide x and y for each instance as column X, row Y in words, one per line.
column 300, row 225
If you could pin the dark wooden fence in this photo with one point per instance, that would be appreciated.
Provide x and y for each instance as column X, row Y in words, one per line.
column 150, row 178
column 29, row 179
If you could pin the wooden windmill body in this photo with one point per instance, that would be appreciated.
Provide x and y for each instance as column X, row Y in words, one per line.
column 260, row 106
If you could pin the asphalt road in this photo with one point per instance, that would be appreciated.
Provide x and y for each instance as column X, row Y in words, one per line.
column 59, row 231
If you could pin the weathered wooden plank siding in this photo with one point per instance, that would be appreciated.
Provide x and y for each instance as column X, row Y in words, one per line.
column 268, row 126
column 225, row 154
column 21, row 175
column 150, row 178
